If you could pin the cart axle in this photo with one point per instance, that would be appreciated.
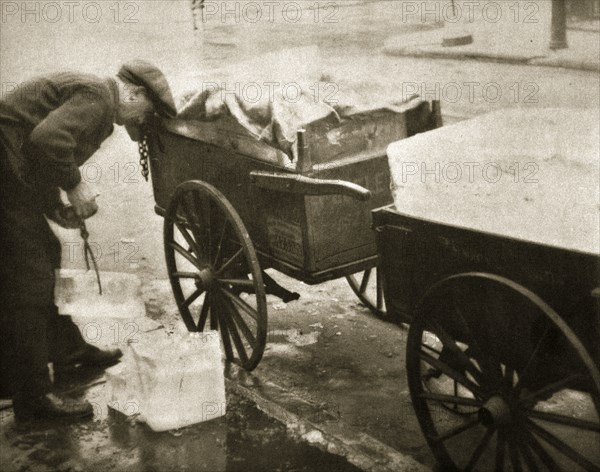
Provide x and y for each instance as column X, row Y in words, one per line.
column 496, row 411
column 206, row 278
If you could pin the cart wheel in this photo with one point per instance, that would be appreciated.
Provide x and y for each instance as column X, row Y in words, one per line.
column 368, row 287
column 527, row 390
column 214, row 271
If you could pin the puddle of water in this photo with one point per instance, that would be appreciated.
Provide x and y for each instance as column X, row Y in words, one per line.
column 243, row 440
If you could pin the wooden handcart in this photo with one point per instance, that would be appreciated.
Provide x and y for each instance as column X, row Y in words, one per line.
column 503, row 350
column 234, row 207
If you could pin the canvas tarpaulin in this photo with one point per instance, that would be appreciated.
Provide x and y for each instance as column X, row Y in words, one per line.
column 274, row 95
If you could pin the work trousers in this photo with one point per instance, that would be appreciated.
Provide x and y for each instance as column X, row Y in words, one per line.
column 31, row 337
column 32, row 333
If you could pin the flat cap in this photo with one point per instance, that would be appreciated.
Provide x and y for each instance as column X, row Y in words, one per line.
column 138, row 72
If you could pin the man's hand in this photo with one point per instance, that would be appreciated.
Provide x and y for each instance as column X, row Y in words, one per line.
column 65, row 217
column 83, row 200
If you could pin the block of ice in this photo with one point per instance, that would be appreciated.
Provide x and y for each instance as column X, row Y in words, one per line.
column 76, row 294
column 114, row 332
column 171, row 381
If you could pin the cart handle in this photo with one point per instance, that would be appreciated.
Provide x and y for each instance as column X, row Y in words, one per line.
column 294, row 183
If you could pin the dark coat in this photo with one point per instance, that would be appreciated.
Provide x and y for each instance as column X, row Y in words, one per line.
column 50, row 126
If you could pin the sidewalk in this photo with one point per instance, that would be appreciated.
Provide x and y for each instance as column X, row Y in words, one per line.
column 507, row 42
column 332, row 373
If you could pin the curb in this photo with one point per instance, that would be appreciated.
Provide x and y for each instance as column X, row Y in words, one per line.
column 311, row 422
column 572, row 64
column 458, row 55
column 544, row 61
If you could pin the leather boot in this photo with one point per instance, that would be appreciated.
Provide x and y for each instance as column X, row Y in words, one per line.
column 88, row 356
column 49, row 406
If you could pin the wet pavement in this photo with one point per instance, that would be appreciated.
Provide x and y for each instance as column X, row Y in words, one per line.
column 329, row 366
column 245, row 439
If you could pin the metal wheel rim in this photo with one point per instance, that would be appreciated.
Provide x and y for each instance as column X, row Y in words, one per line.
column 220, row 303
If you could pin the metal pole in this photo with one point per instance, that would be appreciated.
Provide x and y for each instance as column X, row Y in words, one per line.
column 558, row 39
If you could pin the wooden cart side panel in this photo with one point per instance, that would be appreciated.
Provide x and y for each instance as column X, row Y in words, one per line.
column 340, row 226
column 328, row 140
column 415, row 254
column 279, row 226
column 185, row 159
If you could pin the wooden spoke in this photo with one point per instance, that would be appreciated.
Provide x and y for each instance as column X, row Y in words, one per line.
column 251, row 312
column 472, row 339
column 548, row 390
column 230, row 261
column 186, row 275
column 220, row 245
column 564, row 420
column 456, row 431
column 244, row 327
column 246, row 283
column 190, row 240
column 237, row 341
column 225, row 336
column 513, row 453
column 365, row 281
column 204, row 311
column 204, row 207
column 458, row 353
column 429, row 348
column 179, row 249
column 453, row 374
column 214, row 315
column 224, row 331
column 526, row 453
column 441, row 398
column 524, row 374
column 509, row 374
column 371, row 297
column 239, row 321
column 479, row 449
column 562, row 447
column 487, row 360
column 226, row 341
column 500, row 451
column 539, row 451
column 192, row 298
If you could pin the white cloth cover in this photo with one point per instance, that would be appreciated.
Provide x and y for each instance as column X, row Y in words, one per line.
column 275, row 95
column 527, row 174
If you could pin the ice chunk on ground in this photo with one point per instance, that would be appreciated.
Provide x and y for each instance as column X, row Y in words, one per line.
column 170, row 381
column 76, row 293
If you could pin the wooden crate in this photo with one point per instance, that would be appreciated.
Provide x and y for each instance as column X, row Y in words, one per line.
column 296, row 228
